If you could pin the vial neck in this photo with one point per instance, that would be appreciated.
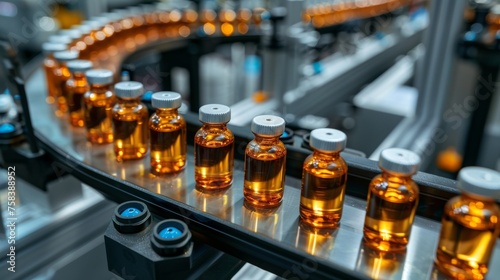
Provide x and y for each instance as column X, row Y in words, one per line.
column 324, row 154
column 214, row 125
column 473, row 196
column 167, row 111
column 388, row 175
column 267, row 140
column 79, row 77
column 100, row 89
column 129, row 101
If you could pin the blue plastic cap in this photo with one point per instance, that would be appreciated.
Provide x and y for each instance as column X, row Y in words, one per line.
column 170, row 233
column 6, row 128
column 130, row 212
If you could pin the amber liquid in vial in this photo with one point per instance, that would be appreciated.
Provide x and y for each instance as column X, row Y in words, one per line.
column 322, row 196
column 264, row 178
column 214, row 163
column 390, row 212
column 467, row 237
column 76, row 88
column 168, row 148
column 50, row 65
column 131, row 131
column 98, row 104
column 62, row 75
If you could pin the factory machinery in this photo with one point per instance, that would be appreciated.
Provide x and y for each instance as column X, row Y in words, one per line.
column 316, row 58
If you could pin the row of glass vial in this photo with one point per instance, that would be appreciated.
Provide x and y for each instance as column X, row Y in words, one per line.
column 470, row 225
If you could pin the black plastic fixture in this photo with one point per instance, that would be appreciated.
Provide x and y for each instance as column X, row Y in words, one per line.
column 171, row 238
column 131, row 217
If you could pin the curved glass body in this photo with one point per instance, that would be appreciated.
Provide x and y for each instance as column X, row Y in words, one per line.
column 324, row 179
column 76, row 88
column 130, row 129
column 391, row 207
column 97, row 106
column 469, row 230
column 213, row 157
column 264, row 172
column 168, row 141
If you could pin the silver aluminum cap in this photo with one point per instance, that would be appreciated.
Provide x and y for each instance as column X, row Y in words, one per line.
column 129, row 89
column 268, row 125
column 215, row 113
column 328, row 139
column 99, row 76
column 60, row 39
column 166, row 99
column 480, row 181
column 399, row 161
column 49, row 48
column 66, row 56
column 79, row 66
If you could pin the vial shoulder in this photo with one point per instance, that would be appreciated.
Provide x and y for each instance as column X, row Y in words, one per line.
column 404, row 188
column 325, row 164
column 274, row 151
column 463, row 206
column 166, row 123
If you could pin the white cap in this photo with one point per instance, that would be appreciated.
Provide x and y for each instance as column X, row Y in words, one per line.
column 112, row 16
column 72, row 33
column 79, row 66
column 85, row 29
column 214, row 113
column 93, row 24
column 399, row 161
column 328, row 139
column 66, row 56
column 480, row 181
column 268, row 125
column 129, row 89
column 101, row 20
column 53, row 47
column 60, row 39
column 99, row 76
column 166, row 99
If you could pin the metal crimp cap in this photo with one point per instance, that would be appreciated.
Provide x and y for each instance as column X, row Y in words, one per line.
column 99, row 76
column 53, row 47
column 215, row 113
column 66, row 56
column 129, row 89
column 328, row 139
column 60, row 39
column 399, row 161
column 166, row 99
column 79, row 66
column 268, row 125
column 480, row 181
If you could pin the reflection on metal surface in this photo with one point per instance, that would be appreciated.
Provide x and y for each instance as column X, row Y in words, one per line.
column 342, row 248
column 380, row 265
column 217, row 203
column 317, row 242
column 268, row 222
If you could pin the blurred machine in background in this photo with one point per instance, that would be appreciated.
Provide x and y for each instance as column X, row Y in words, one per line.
column 415, row 74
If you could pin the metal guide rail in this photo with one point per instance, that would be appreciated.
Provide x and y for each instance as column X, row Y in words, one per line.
column 273, row 240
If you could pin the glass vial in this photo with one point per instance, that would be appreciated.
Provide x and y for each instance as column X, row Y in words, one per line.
column 265, row 163
column 49, row 66
column 97, row 105
column 76, row 87
column 62, row 75
column 214, row 149
column 130, row 122
column 392, row 201
column 168, row 134
column 324, row 179
column 470, row 227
